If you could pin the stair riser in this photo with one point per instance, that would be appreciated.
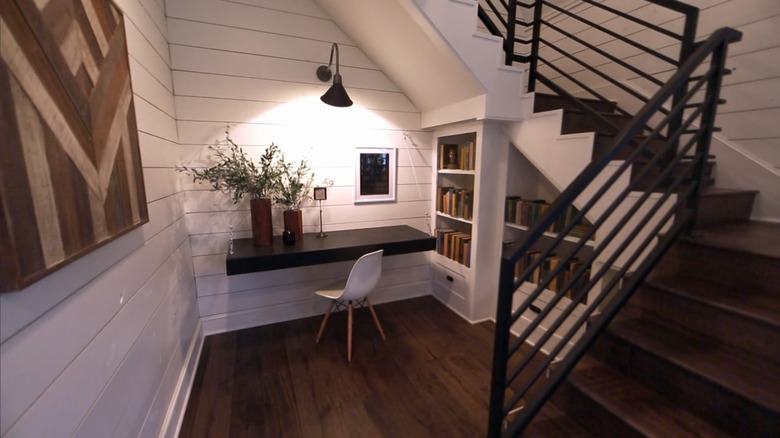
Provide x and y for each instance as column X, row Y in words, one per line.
column 544, row 102
column 751, row 335
column 715, row 404
column 581, row 122
column 743, row 272
column 653, row 175
column 603, row 143
column 590, row 414
column 724, row 208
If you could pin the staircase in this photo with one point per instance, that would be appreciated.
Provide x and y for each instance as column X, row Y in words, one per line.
column 696, row 352
column 640, row 185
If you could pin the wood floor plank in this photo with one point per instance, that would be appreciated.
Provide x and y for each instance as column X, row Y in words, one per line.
column 208, row 410
column 429, row 378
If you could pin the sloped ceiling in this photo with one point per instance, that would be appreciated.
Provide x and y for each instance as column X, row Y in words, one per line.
column 398, row 38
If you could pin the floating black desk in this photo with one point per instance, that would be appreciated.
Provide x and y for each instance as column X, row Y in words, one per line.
column 338, row 246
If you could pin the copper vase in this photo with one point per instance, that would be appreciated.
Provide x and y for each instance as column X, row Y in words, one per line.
column 262, row 226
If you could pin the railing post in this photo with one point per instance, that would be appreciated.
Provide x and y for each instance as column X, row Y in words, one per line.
column 687, row 47
column 537, row 30
column 511, row 26
column 501, row 348
column 712, row 94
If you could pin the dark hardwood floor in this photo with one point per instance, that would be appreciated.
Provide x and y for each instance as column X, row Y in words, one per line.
column 431, row 377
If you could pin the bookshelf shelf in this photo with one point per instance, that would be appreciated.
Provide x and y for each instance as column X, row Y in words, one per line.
column 455, row 218
column 572, row 239
column 456, row 172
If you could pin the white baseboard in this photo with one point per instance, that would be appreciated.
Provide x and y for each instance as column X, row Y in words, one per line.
column 178, row 406
column 228, row 322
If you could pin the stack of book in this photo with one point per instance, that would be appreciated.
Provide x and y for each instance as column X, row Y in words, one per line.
column 548, row 266
column 455, row 202
column 457, row 157
column 525, row 212
column 454, row 245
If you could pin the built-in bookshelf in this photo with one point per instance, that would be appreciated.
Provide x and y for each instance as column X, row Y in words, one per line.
column 528, row 197
column 467, row 198
column 520, row 214
column 549, row 264
column 455, row 173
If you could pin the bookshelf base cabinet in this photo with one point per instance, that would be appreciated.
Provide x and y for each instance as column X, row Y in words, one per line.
column 530, row 315
column 450, row 287
column 468, row 203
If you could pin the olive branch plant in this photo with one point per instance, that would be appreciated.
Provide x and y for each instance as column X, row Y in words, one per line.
column 236, row 174
column 295, row 183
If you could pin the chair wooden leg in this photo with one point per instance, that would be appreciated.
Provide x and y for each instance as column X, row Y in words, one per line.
column 349, row 333
column 325, row 321
column 376, row 319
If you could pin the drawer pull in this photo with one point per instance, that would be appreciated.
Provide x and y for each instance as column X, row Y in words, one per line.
column 535, row 309
column 449, row 278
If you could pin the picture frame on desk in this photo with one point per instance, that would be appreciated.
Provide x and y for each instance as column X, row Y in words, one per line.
column 320, row 193
column 375, row 175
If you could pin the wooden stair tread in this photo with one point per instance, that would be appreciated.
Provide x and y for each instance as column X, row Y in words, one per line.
column 757, row 238
column 551, row 422
column 644, row 410
column 760, row 307
column 735, row 370
column 721, row 191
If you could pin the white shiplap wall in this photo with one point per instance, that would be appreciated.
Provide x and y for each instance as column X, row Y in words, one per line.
column 99, row 348
column 251, row 64
column 747, row 149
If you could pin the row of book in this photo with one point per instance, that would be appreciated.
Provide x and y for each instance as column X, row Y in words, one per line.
column 456, row 202
column 546, row 267
column 457, row 157
column 453, row 244
column 526, row 212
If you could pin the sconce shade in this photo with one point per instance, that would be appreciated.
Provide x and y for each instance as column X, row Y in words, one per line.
column 336, row 94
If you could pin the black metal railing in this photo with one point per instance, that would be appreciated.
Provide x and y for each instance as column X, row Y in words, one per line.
column 547, row 317
column 539, row 34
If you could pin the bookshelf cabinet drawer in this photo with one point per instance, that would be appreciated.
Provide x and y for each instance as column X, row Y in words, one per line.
column 448, row 283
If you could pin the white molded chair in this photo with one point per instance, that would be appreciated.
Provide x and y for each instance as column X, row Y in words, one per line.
column 353, row 291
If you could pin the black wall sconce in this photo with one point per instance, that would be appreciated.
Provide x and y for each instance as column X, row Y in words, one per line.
column 336, row 94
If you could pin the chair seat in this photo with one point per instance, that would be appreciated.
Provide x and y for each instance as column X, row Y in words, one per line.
column 333, row 290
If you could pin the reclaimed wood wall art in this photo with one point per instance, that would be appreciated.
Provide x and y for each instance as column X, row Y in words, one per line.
column 70, row 166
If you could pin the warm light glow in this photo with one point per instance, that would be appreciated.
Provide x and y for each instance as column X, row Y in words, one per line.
column 307, row 124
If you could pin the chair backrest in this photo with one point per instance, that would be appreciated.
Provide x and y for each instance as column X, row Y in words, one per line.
column 364, row 276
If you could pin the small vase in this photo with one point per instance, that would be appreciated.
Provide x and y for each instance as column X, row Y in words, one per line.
column 293, row 221
column 288, row 237
column 262, row 227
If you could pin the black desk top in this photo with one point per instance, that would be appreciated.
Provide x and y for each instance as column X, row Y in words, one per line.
column 337, row 246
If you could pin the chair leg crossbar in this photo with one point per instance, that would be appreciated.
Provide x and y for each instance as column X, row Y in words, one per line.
column 349, row 306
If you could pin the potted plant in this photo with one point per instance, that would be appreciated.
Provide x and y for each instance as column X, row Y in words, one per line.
column 294, row 188
column 236, row 174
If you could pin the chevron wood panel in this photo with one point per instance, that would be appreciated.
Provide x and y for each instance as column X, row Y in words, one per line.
column 70, row 166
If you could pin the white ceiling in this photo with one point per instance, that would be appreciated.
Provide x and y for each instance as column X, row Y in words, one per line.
column 398, row 38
